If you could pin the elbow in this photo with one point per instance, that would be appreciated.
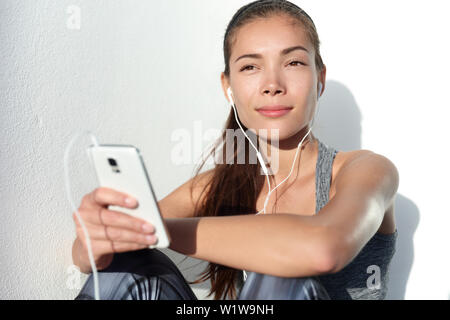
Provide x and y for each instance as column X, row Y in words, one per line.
column 316, row 258
column 326, row 258
column 326, row 263
column 318, row 262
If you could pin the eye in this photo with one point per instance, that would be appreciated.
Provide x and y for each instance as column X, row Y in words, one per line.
column 246, row 68
column 297, row 62
column 290, row 63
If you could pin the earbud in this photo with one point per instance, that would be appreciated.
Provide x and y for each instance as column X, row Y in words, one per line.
column 320, row 90
column 230, row 95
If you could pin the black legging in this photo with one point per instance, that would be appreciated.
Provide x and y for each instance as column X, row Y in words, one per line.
column 148, row 274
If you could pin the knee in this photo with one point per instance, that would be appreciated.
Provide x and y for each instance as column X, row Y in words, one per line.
column 121, row 286
column 262, row 287
column 128, row 270
column 143, row 262
column 139, row 275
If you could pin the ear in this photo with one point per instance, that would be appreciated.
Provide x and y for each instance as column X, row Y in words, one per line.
column 322, row 79
column 230, row 95
column 225, row 85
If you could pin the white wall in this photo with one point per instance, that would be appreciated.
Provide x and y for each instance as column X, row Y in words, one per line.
column 137, row 71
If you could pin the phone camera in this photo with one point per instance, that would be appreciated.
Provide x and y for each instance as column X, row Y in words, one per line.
column 113, row 164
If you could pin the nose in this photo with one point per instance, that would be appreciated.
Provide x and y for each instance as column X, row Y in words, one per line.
column 272, row 85
column 273, row 91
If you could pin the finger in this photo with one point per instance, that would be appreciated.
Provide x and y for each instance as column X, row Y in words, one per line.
column 112, row 218
column 105, row 196
column 109, row 233
column 104, row 217
column 85, row 215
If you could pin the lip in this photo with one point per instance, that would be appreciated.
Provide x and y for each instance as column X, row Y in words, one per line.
column 274, row 111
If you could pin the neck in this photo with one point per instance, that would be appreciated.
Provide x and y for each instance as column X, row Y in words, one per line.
column 281, row 157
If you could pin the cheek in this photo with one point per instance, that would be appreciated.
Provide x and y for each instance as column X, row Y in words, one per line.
column 245, row 106
column 301, row 87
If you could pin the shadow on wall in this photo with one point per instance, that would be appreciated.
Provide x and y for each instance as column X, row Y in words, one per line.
column 338, row 124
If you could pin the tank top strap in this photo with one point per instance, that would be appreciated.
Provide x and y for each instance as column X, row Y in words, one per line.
column 324, row 168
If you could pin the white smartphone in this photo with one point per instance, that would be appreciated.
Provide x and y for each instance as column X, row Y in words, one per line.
column 122, row 168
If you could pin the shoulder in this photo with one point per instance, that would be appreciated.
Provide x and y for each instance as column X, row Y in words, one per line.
column 367, row 167
column 180, row 203
column 364, row 157
column 344, row 158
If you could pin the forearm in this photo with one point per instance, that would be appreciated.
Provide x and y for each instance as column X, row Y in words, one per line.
column 284, row 245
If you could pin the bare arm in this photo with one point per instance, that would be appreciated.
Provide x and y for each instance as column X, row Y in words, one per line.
column 284, row 245
column 288, row 245
column 180, row 203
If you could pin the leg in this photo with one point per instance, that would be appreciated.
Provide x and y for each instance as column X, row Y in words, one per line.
column 146, row 274
column 265, row 287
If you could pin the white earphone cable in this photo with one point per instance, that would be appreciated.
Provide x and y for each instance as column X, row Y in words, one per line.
column 263, row 163
column 74, row 208
column 292, row 168
column 261, row 160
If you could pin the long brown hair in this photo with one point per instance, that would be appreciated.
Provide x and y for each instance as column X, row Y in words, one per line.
column 234, row 189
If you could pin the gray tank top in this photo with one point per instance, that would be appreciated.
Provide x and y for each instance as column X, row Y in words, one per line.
column 364, row 278
column 367, row 275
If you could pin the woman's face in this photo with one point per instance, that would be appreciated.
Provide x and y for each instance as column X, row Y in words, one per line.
column 273, row 75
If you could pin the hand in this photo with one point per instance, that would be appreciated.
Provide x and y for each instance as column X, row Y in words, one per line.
column 111, row 231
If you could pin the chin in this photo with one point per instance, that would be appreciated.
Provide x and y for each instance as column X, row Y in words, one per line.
column 287, row 127
column 282, row 134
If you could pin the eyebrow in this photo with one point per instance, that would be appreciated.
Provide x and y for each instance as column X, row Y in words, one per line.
column 283, row 52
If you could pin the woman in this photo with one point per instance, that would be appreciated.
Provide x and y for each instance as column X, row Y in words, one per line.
column 328, row 231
